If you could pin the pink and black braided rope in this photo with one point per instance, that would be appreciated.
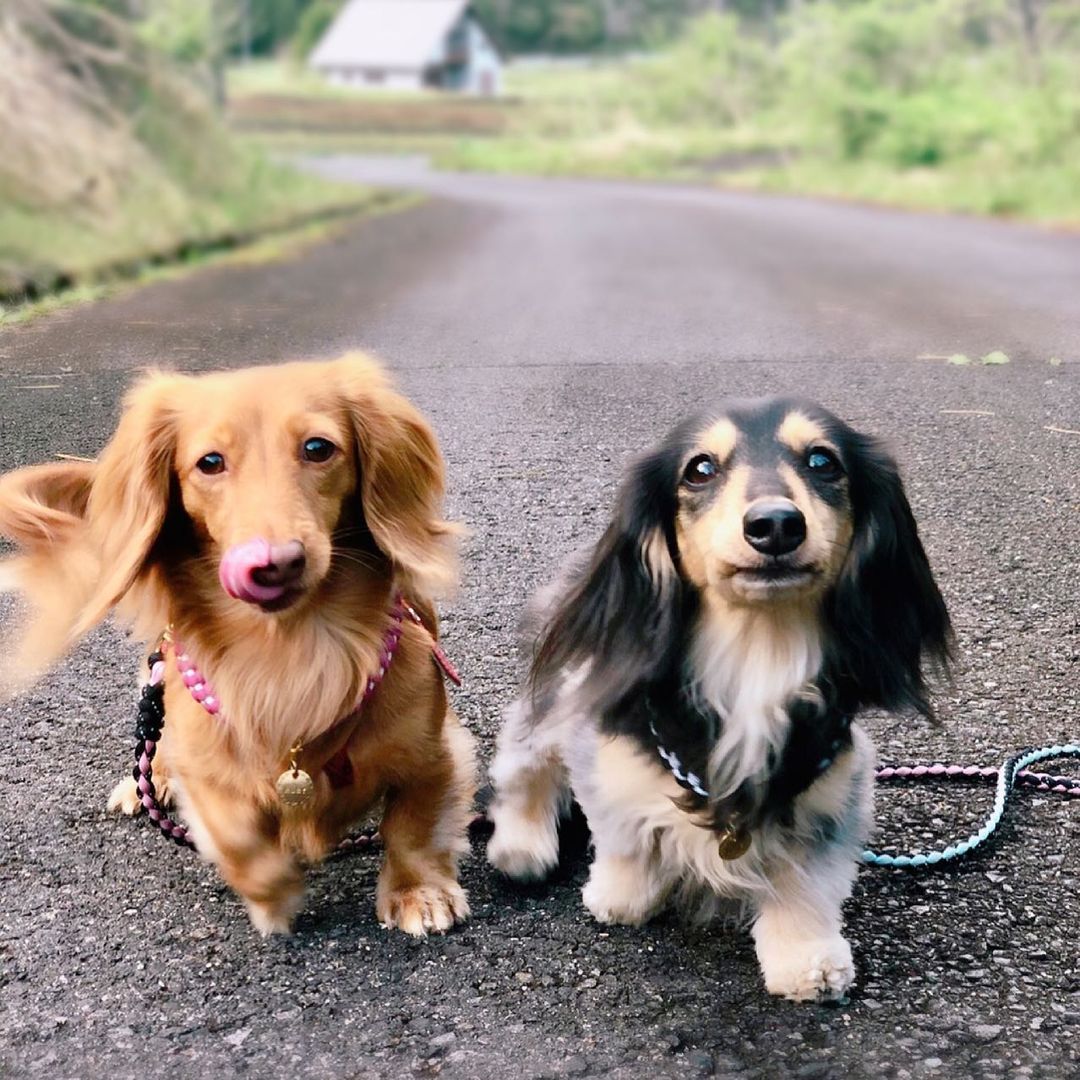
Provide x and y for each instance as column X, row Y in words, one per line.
column 148, row 733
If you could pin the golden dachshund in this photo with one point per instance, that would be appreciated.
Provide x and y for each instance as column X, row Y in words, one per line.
column 276, row 521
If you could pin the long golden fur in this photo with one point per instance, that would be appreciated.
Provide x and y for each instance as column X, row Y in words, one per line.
column 142, row 532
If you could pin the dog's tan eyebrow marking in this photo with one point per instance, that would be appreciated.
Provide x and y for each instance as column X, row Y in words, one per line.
column 720, row 439
column 799, row 431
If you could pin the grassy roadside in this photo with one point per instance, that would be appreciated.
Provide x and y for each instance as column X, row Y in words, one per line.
column 114, row 163
column 939, row 105
column 266, row 244
column 55, row 248
column 750, row 160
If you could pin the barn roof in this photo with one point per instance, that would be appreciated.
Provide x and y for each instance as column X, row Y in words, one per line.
column 387, row 33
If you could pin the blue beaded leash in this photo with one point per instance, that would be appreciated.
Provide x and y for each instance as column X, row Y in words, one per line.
column 1012, row 771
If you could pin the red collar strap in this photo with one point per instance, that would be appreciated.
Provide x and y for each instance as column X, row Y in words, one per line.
column 442, row 661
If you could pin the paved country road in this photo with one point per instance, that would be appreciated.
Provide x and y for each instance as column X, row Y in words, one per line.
column 551, row 329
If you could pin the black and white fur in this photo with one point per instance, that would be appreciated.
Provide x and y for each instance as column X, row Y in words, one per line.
column 677, row 632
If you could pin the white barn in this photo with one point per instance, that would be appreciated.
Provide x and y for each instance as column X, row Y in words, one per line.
column 409, row 45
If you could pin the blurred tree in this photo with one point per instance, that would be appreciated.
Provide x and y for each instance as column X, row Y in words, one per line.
column 575, row 26
column 273, row 22
column 199, row 33
column 527, row 23
column 181, row 28
column 314, row 22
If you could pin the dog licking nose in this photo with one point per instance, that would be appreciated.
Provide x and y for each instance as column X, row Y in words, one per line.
column 774, row 526
column 259, row 572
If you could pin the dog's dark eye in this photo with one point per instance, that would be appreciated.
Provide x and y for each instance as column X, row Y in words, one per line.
column 701, row 471
column 823, row 463
column 318, row 450
column 211, row 464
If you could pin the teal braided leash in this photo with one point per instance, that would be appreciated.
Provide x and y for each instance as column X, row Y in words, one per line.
column 1012, row 770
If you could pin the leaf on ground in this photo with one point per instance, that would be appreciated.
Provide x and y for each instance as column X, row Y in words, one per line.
column 959, row 358
column 995, row 357
column 1054, row 361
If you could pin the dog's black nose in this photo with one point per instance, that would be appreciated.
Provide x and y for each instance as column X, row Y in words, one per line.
column 286, row 566
column 774, row 526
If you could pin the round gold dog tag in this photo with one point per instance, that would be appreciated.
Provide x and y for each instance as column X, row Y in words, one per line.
column 734, row 843
column 295, row 787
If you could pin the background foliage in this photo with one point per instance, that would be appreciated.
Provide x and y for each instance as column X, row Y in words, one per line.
column 970, row 104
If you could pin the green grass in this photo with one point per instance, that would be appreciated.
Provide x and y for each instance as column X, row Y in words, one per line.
column 54, row 247
column 285, row 77
column 280, row 76
column 927, row 104
column 1050, row 195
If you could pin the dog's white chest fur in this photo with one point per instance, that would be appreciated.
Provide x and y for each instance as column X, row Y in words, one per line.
column 748, row 664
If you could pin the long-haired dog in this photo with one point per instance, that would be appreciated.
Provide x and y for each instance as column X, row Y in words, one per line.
column 695, row 683
column 270, row 518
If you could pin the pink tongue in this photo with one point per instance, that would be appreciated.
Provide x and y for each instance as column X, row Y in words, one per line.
column 237, row 567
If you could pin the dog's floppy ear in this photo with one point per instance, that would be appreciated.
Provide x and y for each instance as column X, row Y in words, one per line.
column 84, row 532
column 626, row 612
column 886, row 613
column 401, row 479
column 44, row 505
column 130, row 494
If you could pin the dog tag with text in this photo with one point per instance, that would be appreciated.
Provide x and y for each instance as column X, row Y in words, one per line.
column 295, row 787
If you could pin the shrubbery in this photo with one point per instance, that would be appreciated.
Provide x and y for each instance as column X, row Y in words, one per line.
column 937, row 102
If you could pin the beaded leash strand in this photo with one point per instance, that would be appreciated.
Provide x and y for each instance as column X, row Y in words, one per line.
column 1014, row 771
column 148, row 733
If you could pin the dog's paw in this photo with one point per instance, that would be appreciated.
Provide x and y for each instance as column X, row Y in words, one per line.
column 124, row 798
column 274, row 917
column 815, row 970
column 423, row 909
column 619, row 891
column 523, row 849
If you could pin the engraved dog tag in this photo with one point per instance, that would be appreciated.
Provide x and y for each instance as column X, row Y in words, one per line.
column 295, row 787
column 734, row 843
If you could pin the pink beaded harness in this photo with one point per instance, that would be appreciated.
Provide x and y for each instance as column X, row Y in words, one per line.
column 338, row 768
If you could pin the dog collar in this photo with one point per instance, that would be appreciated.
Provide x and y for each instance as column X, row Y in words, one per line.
column 200, row 689
column 817, row 736
column 733, row 841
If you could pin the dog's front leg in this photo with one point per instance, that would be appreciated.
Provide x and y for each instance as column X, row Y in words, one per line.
column 625, row 888
column 531, row 795
column 242, row 842
column 629, row 881
column 424, row 830
column 797, row 934
column 800, row 946
column 269, row 882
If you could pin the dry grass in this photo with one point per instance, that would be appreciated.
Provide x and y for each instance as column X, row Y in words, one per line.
column 112, row 156
column 69, row 78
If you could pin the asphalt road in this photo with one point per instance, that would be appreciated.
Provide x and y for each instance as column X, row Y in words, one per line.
column 551, row 329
